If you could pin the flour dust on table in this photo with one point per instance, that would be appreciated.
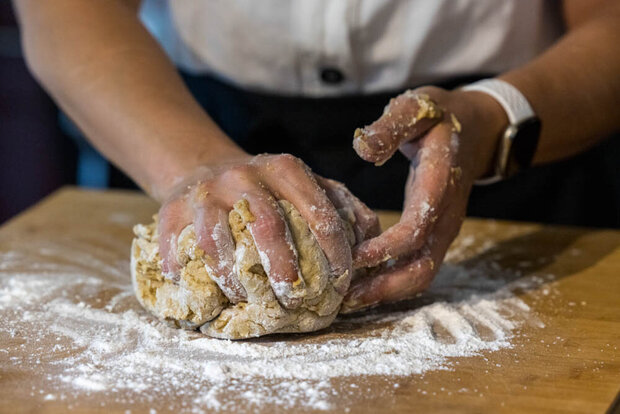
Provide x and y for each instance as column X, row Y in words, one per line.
column 67, row 312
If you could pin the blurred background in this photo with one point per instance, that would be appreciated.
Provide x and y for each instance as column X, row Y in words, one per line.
column 35, row 156
column 41, row 150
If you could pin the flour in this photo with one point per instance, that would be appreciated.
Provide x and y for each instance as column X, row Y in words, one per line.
column 69, row 315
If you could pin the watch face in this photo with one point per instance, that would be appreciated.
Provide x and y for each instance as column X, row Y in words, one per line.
column 523, row 146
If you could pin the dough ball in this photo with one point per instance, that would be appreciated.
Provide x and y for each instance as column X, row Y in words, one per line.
column 188, row 302
column 194, row 300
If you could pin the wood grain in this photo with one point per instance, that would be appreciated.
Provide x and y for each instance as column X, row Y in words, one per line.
column 571, row 365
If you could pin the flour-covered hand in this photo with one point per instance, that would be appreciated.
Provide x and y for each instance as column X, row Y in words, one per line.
column 450, row 138
column 206, row 198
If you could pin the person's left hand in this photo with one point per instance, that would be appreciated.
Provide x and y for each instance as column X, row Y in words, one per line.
column 450, row 138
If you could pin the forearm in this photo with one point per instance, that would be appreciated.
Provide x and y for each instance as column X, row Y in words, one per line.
column 113, row 79
column 574, row 87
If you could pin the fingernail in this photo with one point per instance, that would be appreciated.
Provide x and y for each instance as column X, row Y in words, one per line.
column 341, row 283
column 353, row 305
column 290, row 294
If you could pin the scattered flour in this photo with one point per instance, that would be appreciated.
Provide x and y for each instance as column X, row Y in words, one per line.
column 67, row 313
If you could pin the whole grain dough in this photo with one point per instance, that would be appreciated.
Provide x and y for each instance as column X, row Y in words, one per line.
column 194, row 301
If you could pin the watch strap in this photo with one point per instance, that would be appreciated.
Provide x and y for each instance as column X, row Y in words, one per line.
column 518, row 111
column 516, row 106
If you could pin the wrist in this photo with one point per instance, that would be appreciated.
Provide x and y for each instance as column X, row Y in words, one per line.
column 489, row 120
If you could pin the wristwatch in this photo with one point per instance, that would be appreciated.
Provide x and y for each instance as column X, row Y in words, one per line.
column 518, row 142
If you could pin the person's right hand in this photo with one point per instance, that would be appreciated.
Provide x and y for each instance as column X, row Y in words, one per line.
column 207, row 196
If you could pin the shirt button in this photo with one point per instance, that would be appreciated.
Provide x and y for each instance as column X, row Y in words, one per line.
column 332, row 76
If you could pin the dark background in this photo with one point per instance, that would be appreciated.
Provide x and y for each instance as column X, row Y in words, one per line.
column 35, row 157
column 40, row 150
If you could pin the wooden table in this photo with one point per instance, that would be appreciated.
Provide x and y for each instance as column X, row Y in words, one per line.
column 571, row 365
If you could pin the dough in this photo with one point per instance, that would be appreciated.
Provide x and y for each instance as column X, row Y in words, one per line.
column 195, row 301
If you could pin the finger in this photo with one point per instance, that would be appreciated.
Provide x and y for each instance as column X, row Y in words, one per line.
column 406, row 117
column 407, row 276
column 404, row 278
column 268, row 228
column 276, row 249
column 425, row 190
column 215, row 239
column 302, row 190
column 174, row 216
column 366, row 224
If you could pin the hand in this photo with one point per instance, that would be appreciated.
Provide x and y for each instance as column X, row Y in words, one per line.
column 450, row 138
column 207, row 196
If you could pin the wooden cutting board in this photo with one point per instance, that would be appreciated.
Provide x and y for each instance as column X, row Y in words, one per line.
column 570, row 365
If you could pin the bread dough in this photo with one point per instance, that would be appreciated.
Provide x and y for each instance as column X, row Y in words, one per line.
column 186, row 303
column 195, row 301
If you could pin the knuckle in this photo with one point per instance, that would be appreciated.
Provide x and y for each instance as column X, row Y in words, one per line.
column 433, row 91
column 201, row 192
column 327, row 226
column 420, row 271
column 287, row 158
column 237, row 173
column 204, row 187
column 288, row 161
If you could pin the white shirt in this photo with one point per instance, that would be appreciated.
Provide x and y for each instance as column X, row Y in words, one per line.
column 283, row 46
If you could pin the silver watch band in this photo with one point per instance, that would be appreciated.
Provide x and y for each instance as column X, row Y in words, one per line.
column 517, row 110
